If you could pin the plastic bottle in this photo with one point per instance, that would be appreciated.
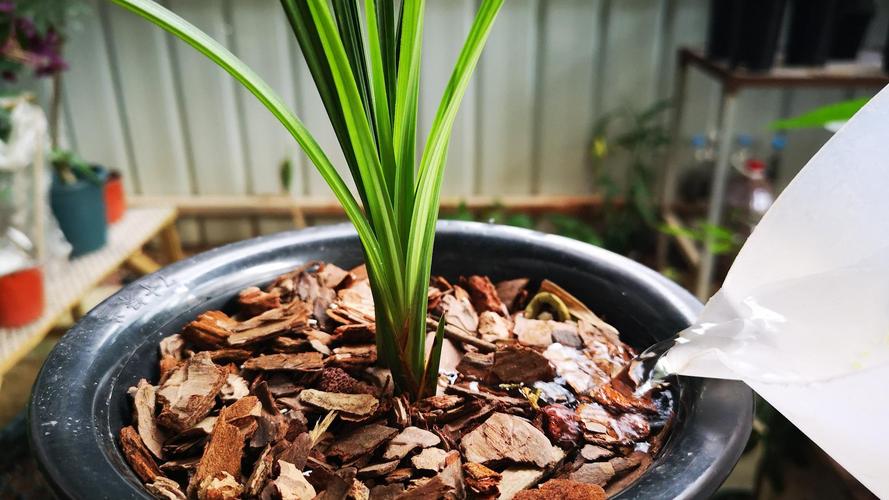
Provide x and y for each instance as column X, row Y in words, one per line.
column 695, row 183
column 773, row 163
column 748, row 196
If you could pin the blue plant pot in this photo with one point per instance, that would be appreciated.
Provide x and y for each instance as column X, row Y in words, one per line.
column 80, row 210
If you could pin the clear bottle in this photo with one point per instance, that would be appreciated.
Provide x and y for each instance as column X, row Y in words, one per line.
column 748, row 196
column 696, row 181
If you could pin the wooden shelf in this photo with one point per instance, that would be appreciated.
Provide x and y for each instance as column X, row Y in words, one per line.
column 67, row 283
column 846, row 75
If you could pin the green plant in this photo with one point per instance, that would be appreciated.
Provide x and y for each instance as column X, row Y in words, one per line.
column 367, row 74
column 821, row 116
column 71, row 167
column 720, row 240
column 638, row 137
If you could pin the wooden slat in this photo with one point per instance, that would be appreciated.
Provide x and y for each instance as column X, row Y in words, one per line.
column 442, row 41
column 507, row 77
column 566, row 87
column 281, row 206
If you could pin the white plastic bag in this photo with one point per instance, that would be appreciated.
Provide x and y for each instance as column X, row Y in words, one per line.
column 803, row 315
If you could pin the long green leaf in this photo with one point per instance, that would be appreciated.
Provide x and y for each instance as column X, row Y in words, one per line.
column 425, row 212
column 349, row 25
column 380, row 98
column 298, row 15
column 407, row 93
column 385, row 15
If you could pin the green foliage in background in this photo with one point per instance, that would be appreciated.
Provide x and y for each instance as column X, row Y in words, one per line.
column 627, row 146
column 70, row 167
column 721, row 240
column 821, row 116
column 367, row 71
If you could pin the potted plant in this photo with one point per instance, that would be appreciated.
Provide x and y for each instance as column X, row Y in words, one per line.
column 369, row 85
column 77, row 199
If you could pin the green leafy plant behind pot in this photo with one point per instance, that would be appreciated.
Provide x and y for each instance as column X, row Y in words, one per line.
column 367, row 72
column 70, row 168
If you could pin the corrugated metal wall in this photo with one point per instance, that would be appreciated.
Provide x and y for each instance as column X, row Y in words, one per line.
column 138, row 100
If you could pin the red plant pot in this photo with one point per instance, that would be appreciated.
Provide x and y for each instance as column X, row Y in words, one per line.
column 21, row 297
column 115, row 203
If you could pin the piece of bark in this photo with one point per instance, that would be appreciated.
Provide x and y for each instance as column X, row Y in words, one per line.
column 331, row 276
column 460, row 313
column 290, row 345
column 483, row 295
column 222, row 486
column 209, row 329
column 335, row 379
column 165, row 489
column 353, row 404
column 429, row 459
column 386, row 491
column 243, row 414
column 514, row 364
column 299, row 362
column 291, row 483
column 295, row 320
column 358, row 491
column 518, row 478
column 235, row 388
column 481, row 481
column 272, row 424
column 297, row 452
column 183, row 465
column 144, row 409
column 254, row 301
column 138, row 456
column 401, row 411
column 188, row 394
column 595, row 473
column 447, row 484
column 476, row 366
column 565, row 333
column 591, row 452
column 339, row 484
column 399, row 475
column 354, row 357
column 457, row 334
column 486, row 394
column 408, row 440
column 222, row 454
column 378, row 470
column 356, row 333
column 262, row 471
column 171, row 346
column 511, row 292
column 493, row 327
column 360, row 441
column 580, row 372
column 222, row 356
column 621, row 398
column 533, row 332
column 507, row 437
column 563, row 489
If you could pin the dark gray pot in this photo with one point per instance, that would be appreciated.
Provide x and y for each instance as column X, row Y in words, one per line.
column 79, row 402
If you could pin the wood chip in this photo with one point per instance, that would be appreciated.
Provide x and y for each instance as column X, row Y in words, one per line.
column 484, row 296
column 595, row 473
column 296, row 320
column 222, row 454
column 563, row 489
column 408, row 440
column 360, row 441
column 533, row 332
column 299, row 362
column 447, row 484
column 592, row 452
column 460, row 313
column 353, row 404
column 429, row 459
column 222, row 486
column 511, row 292
column 493, row 327
column 235, row 388
column 144, row 408
column 209, row 330
column 377, row 470
column 291, row 483
column 254, row 301
column 354, row 357
column 165, row 489
column 481, row 480
column 513, row 364
column 507, row 437
column 188, row 394
column 517, row 478
column 138, row 456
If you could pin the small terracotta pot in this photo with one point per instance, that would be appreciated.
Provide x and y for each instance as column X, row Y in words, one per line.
column 115, row 203
column 21, row 297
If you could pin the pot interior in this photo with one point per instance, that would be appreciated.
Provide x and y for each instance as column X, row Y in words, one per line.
column 84, row 382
